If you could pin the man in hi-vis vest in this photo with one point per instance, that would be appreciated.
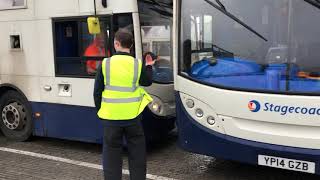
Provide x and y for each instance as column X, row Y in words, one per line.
column 120, row 101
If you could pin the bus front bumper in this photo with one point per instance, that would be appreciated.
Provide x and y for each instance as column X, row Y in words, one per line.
column 196, row 138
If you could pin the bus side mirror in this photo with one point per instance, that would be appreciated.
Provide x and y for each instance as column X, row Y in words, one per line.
column 93, row 25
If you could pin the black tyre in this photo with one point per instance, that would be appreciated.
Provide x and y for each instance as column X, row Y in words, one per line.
column 16, row 117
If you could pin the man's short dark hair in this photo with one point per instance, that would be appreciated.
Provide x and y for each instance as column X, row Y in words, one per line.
column 125, row 38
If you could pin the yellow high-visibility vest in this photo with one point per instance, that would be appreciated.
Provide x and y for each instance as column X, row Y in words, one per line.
column 122, row 98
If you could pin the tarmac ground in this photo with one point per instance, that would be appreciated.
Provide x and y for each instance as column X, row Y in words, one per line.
column 46, row 158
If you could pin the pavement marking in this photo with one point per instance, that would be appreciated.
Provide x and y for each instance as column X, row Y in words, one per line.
column 74, row 162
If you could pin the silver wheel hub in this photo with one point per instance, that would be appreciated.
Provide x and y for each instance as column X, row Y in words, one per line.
column 14, row 116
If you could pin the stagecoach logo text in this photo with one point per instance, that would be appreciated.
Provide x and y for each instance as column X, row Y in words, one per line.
column 255, row 106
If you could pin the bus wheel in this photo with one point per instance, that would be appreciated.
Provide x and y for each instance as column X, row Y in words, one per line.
column 16, row 119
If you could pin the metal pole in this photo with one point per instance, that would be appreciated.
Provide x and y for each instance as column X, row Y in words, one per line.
column 289, row 46
column 95, row 8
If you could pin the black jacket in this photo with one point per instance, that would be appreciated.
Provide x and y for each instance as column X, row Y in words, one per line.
column 145, row 80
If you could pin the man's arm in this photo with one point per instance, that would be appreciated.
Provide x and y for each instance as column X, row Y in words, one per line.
column 98, row 88
column 146, row 75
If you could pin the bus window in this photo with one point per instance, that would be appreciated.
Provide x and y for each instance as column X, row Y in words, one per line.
column 18, row 2
column 145, row 47
column 162, row 48
column 78, row 53
column 12, row 4
column 67, row 48
column 124, row 21
column 156, row 23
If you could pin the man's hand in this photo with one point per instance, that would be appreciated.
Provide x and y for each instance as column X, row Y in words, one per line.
column 149, row 60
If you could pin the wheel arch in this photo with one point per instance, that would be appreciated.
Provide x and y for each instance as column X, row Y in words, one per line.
column 7, row 87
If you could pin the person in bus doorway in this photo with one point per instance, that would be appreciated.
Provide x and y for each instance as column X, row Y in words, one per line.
column 120, row 100
column 95, row 49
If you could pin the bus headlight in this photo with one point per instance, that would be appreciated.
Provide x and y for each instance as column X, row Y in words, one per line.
column 156, row 106
column 199, row 113
column 211, row 120
column 190, row 103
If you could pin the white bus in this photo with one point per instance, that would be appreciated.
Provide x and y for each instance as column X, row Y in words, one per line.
column 247, row 80
column 48, row 60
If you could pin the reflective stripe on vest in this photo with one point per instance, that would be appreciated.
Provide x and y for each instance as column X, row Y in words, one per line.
column 122, row 100
column 118, row 88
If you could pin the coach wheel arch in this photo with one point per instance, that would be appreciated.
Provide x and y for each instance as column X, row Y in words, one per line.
column 16, row 114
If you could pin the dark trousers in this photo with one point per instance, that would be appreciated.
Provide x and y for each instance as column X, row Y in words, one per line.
column 112, row 151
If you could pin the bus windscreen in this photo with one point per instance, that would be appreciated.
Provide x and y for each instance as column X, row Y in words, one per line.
column 271, row 48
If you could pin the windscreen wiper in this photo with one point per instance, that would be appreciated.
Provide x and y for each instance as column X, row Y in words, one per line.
column 315, row 3
column 163, row 4
column 162, row 12
column 159, row 8
column 221, row 5
column 222, row 9
column 158, row 4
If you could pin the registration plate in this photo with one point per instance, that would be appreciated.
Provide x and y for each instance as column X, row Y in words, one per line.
column 289, row 164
